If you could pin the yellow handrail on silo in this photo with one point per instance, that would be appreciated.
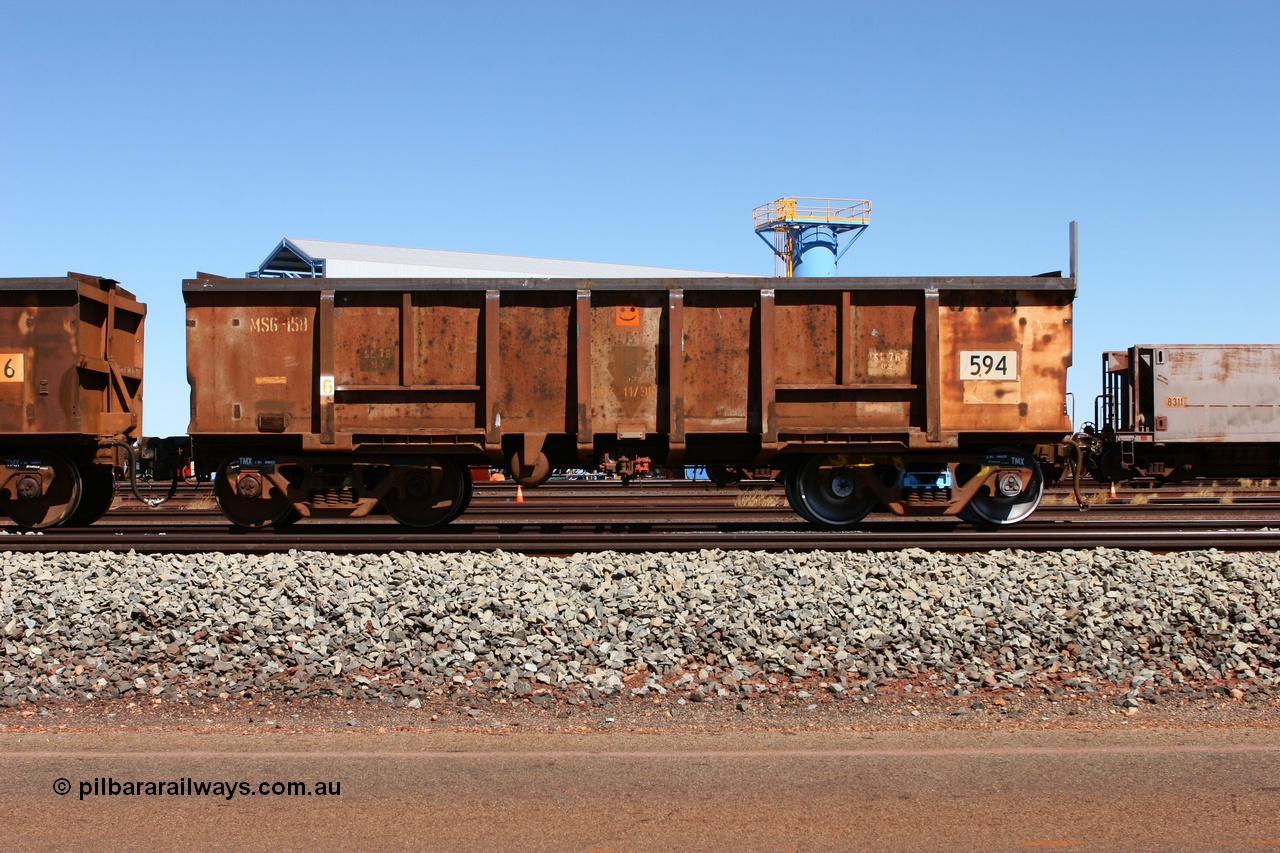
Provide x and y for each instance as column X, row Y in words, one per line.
column 801, row 209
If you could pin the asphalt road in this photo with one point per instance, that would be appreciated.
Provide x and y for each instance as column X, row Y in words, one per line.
column 1174, row 789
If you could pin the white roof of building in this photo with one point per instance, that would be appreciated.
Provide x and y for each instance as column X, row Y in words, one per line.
column 362, row 260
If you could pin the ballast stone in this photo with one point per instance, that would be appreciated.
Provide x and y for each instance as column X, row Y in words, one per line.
column 318, row 624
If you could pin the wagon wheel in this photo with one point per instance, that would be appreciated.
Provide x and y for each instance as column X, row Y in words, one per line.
column 826, row 494
column 725, row 475
column 1184, row 466
column 289, row 519
column 56, row 505
column 997, row 507
column 537, row 473
column 1111, row 468
column 249, row 512
column 417, row 505
column 98, row 491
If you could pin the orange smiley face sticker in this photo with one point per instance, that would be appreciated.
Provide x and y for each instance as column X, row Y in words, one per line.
column 628, row 315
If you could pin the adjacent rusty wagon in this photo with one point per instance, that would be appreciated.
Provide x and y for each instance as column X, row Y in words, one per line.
column 1172, row 412
column 70, row 395
column 338, row 397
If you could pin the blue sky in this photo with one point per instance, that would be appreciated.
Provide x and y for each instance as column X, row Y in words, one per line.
column 145, row 142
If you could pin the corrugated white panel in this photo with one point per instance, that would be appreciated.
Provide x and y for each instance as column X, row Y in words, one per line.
column 362, row 260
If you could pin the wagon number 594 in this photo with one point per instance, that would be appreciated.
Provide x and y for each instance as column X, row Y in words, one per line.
column 988, row 364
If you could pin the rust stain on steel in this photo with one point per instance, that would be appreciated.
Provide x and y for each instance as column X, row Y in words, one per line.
column 628, row 385
column 534, row 331
column 884, row 337
column 1210, row 393
column 1188, row 363
column 408, row 362
column 843, row 361
column 366, row 340
column 445, row 378
column 847, row 360
column 718, row 363
column 38, row 348
column 809, row 335
column 447, row 332
column 255, row 333
column 1033, row 332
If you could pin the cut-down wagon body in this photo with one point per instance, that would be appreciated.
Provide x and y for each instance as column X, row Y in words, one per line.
column 70, row 395
column 336, row 396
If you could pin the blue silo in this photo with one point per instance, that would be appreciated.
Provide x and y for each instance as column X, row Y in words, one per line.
column 806, row 233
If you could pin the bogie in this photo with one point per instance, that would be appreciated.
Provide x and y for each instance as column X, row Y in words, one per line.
column 261, row 489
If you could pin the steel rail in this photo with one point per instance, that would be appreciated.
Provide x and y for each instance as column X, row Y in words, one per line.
column 382, row 537
column 702, row 499
column 655, row 508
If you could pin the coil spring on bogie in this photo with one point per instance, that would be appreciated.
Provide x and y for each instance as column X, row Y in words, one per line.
column 333, row 497
column 928, row 495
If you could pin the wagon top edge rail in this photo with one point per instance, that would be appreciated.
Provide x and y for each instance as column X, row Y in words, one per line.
column 1054, row 281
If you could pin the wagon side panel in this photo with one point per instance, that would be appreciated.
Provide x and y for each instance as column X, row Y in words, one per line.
column 721, row 374
column 1003, row 359
column 39, row 388
column 1211, row 393
column 629, row 367
column 252, row 360
column 407, row 361
column 847, row 361
column 537, row 376
column 110, row 347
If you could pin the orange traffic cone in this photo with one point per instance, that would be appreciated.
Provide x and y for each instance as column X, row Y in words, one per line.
column 1113, row 491
column 520, row 493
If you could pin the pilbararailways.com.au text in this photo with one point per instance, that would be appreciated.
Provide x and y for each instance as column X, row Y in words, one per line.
column 107, row 786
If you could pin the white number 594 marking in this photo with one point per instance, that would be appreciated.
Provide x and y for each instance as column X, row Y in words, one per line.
column 988, row 364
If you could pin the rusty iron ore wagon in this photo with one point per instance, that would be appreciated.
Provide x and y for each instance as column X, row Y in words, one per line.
column 337, row 397
column 70, row 395
column 1172, row 412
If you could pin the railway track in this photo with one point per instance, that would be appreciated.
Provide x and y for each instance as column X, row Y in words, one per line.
column 376, row 536
column 672, row 515
column 607, row 500
column 562, row 542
